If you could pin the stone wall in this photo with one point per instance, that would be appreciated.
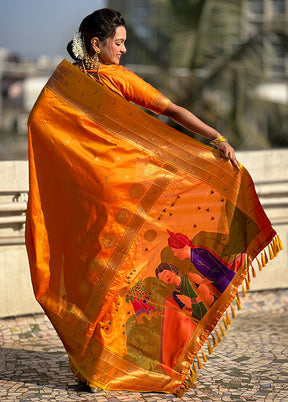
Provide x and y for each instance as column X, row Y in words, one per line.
column 269, row 170
column 15, row 285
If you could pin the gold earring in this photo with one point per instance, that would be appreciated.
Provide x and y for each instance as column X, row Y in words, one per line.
column 90, row 63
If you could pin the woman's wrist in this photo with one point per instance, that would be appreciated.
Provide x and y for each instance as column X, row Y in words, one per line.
column 218, row 140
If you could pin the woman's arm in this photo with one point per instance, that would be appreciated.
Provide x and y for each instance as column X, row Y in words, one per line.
column 191, row 122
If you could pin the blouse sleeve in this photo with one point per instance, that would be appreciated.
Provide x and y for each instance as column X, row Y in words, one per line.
column 136, row 90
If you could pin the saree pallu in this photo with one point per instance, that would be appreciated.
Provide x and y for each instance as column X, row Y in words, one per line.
column 114, row 196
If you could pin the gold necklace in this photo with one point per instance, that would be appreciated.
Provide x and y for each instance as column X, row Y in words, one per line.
column 91, row 63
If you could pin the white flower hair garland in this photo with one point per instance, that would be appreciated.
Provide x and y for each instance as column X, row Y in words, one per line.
column 77, row 46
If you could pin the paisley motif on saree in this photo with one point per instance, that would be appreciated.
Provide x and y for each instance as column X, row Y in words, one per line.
column 113, row 193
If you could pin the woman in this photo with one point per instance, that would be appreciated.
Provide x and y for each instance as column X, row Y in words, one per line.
column 106, row 182
column 104, row 36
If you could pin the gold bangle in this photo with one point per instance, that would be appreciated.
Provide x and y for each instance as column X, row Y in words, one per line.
column 218, row 140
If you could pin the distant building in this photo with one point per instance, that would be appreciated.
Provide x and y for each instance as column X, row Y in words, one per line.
column 268, row 15
column 21, row 81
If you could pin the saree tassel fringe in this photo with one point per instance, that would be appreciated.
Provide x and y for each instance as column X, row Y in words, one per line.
column 210, row 349
column 247, row 284
column 237, row 298
column 192, row 375
column 219, row 338
column 263, row 260
column 194, row 370
column 214, row 339
column 271, row 255
column 225, row 322
column 272, row 251
column 280, row 243
column 238, row 304
column 200, row 366
column 228, row 318
column 189, row 382
column 265, row 257
column 204, row 356
column 248, row 277
column 221, row 329
column 276, row 245
column 274, row 248
column 259, row 264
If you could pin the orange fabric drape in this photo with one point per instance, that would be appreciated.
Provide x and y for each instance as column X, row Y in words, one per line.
column 107, row 182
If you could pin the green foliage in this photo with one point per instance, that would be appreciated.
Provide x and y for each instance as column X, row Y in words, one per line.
column 224, row 61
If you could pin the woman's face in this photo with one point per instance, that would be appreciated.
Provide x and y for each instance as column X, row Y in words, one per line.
column 112, row 49
column 167, row 276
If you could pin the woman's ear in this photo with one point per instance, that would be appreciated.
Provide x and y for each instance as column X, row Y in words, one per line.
column 95, row 44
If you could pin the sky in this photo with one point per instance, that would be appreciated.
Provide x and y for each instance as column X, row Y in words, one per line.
column 31, row 28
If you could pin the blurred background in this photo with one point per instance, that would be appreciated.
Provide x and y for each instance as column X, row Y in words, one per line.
column 225, row 60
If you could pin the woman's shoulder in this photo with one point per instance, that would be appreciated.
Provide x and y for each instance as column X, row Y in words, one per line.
column 113, row 69
column 119, row 75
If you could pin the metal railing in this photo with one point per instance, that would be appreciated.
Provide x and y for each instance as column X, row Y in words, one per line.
column 272, row 194
column 12, row 217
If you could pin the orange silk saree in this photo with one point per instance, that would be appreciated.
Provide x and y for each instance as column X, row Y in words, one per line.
column 138, row 236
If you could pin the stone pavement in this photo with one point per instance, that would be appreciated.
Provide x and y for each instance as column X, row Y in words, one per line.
column 250, row 364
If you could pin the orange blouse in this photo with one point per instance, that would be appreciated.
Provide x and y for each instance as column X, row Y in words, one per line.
column 133, row 88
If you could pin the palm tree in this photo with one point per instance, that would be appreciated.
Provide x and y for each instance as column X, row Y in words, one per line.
column 224, row 64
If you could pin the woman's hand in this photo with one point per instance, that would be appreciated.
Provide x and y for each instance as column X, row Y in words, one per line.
column 228, row 152
column 191, row 122
column 185, row 300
